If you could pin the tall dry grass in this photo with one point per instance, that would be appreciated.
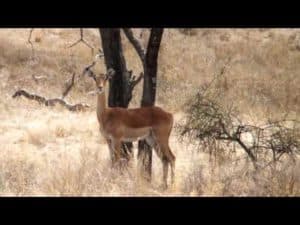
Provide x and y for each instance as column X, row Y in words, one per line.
column 55, row 152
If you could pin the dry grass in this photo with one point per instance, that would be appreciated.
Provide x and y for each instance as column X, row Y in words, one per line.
column 236, row 178
column 55, row 152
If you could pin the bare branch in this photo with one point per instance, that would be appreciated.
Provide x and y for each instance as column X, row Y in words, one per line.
column 222, row 72
column 248, row 151
column 29, row 41
column 37, row 98
column 136, row 44
column 134, row 81
column 51, row 102
column 83, row 41
column 208, row 121
column 69, row 87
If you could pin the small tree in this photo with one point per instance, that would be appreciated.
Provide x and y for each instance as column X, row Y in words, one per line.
column 149, row 60
column 121, row 86
column 208, row 122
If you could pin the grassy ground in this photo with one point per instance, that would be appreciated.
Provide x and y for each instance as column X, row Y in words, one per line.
column 54, row 152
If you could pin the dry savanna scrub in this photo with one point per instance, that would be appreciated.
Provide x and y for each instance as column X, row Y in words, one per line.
column 50, row 151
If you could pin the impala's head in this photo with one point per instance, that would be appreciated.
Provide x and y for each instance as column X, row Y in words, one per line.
column 101, row 80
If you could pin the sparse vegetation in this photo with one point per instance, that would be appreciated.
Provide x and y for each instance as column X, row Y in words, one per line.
column 51, row 151
column 210, row 124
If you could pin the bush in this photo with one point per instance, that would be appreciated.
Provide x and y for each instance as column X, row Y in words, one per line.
column 211, row 123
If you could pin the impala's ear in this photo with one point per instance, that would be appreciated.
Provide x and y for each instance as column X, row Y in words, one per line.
column 110, row 73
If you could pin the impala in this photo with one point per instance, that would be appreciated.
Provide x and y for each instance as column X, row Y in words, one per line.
column 118, row 125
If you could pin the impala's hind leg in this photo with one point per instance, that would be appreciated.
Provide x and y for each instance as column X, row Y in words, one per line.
column 165, row 172
column 172, row 159
column 167, row 157
column 152, row 141
column 111, row 151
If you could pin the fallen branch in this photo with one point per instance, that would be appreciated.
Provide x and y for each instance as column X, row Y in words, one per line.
column 51, row 102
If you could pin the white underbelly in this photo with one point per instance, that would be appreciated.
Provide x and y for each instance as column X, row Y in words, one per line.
column 132, row 139
column 132, row 134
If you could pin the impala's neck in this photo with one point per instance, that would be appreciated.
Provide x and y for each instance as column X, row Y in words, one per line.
column 101, row 106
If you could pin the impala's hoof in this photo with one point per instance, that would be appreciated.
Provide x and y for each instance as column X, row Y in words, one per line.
column 163, row 187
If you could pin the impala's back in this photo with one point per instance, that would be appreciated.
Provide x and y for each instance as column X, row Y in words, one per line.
column 141, row 117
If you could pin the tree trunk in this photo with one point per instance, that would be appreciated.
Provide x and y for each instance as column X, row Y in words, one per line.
column 119, row 90
column 148, row 98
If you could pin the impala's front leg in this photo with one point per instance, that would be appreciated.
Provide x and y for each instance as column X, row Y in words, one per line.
column 116, row 147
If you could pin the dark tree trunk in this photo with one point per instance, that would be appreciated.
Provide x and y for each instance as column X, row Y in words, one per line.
column 119, row 88
column 119, row 91
column 148, row 98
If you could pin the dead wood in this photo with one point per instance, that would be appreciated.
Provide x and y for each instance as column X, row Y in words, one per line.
column 51, row 102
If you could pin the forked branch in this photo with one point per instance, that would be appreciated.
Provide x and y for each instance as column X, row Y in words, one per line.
column 133, row 81
column 81, row 39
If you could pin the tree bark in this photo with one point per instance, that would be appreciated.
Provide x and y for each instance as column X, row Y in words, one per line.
column 148, row 98
column 119, row 87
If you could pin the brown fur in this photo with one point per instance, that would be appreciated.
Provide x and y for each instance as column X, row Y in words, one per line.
column 150, row 123
column 139, row 117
